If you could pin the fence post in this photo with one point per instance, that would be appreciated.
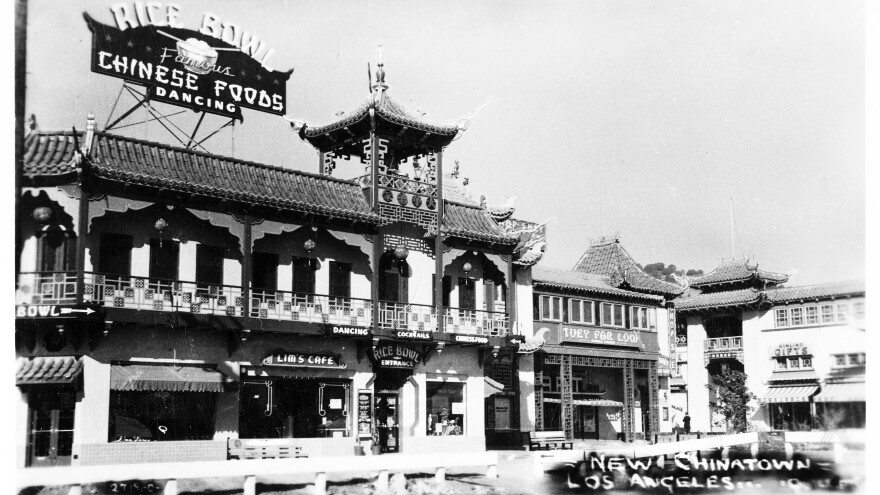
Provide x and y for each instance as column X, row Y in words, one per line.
column 492, row 471
column 320, row 483
column 250, row 485
column 75, row 490
column 170, row 487
column 382, row 480
column 440, row 475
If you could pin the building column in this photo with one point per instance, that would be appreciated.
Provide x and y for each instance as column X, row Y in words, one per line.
column 91, row 420
column 628, row 406
column 698, row 377
column 539, row 392
column 528, row 388
column 653, row 400
column 567, row 397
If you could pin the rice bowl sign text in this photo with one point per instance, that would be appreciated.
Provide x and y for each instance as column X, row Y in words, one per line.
column 218, row 69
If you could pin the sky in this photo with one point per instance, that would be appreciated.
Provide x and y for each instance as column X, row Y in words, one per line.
column 658, row 120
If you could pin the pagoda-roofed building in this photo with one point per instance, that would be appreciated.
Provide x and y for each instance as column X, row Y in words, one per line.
column 606, row 256
column 274, row 302
column 791, row 343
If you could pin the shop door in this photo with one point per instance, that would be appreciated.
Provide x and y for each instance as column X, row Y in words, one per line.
column 50, row 421
column 586, row 426
column 387, row 420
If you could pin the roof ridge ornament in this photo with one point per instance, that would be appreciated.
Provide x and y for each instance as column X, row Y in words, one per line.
column 380, row 73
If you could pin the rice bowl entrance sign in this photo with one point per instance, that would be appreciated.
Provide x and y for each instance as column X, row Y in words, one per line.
column 218, row 69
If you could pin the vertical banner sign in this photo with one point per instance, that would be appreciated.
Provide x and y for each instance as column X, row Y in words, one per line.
column 218, row 69
column 365, row 414
column 673, row 343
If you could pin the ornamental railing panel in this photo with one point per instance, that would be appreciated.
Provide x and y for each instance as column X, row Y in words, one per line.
column 46, row 288
column 310, row 308
column 406, row 316
column 474, row 321
column 144, row 293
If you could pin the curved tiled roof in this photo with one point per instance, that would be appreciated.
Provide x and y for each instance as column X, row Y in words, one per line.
column 48, row 370
column 718, row 299
column 574, row 280
column 611, row 259
column 50, row 153
column 385, row 107
column 157, row 165
column 151, row 164
column 813, row 292
column 737, row 270
column 474, row 223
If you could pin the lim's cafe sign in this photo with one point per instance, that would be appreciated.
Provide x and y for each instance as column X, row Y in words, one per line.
column 219, row 68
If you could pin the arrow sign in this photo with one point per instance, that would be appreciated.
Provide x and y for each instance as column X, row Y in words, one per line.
column 87, row 311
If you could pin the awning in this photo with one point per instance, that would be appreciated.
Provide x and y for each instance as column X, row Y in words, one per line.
column 56, row 370
column 794, row 393
column 842, row 392
column 794, row 376
column 491, row 387
column 677, row 381
column 588, row 402
column 172, row 378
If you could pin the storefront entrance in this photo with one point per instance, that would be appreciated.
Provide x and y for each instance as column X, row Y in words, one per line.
column 585, row 425
column 387, row 421
column 387, row 411
column 50, row 424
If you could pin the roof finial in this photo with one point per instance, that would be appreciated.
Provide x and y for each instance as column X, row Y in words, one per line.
column 90, row 134
column 380, row 73
column 455, row 169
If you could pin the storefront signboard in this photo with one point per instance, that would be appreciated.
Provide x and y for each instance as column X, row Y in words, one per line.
column 303, row 360
column 396, row 356
column 471, row 339
column 413, row 335
column 365, row 414
column 602, row 336
column 219, row 69
column 348, row 331
column 56, row 311
column 502, row 413
column 795, row 349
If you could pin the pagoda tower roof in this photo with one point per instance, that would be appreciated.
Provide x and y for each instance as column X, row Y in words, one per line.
column 392, row 119
column 607, row 257
column 735, row 273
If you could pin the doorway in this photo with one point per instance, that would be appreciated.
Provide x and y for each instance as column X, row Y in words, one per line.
column 50, row 426
column 586, row 426
column 386, row 409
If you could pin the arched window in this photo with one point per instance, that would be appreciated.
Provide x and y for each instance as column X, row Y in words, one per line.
column 57, row 251
column 394, row 276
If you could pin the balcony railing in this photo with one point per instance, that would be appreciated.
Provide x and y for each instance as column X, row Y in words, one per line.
column 123, row 291
column 406, row 316
column 473, row 321
column 310, row 308
column 723, row 344
column 46, row 288
column 151, row 294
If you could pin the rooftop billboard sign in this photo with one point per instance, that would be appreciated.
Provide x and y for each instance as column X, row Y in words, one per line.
column 218, row 69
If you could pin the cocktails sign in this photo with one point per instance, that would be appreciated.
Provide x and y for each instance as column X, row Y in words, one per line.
column 218, row 69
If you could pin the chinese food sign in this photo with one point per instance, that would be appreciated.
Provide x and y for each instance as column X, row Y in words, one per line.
column 218, row 69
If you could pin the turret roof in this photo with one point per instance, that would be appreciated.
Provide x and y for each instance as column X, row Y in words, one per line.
column 737, row 270
column 608, row 257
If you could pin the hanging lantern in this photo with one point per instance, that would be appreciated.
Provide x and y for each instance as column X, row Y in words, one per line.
column 161, row 225
column 309, row 245
column 467, row 268
column 401, row 252
column 42, row 214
